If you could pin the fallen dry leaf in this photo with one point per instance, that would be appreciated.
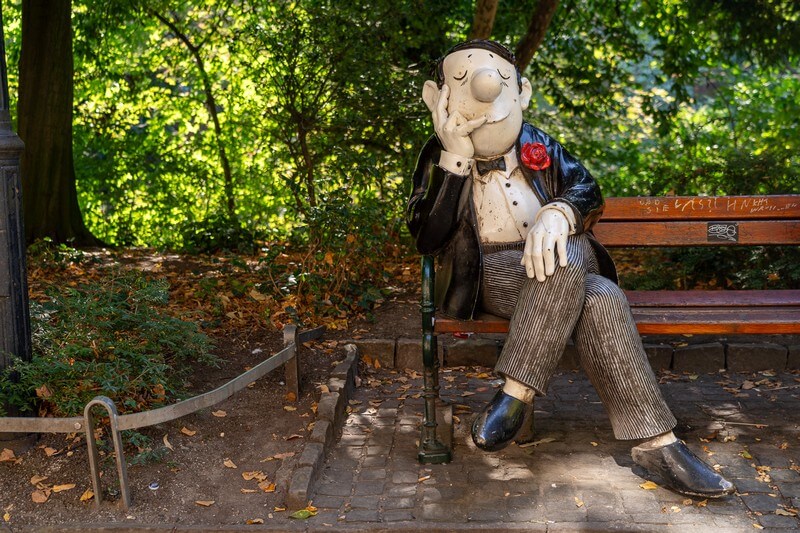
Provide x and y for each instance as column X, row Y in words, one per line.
column 255, row 474
column 703, row 503
column 266, row 486
column 39, row 496
column 578, row 502
column 648, row 485
column 167, row 443
column 423, row 478
column 7, row 455
column 252, row 521
column 219, row 413
column 229, row 464
column 687, row 501
column 758, row 526
column 279, row 509
column 278, row 456
column 292, row 437
column 87, row 495
column 324, row 389
column 50, row 451
column 205, row 503
column 247, row 491
column 35, row 480
column 187, row 431
column 291, row 397
column 65, row 486
column 289, row 408
column 593, row 443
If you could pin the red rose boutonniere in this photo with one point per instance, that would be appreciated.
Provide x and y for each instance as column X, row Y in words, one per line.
column 535, row 156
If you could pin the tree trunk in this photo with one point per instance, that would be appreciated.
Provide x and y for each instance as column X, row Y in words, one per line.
column 45, row 124
column 540, row 20
column 482, row 24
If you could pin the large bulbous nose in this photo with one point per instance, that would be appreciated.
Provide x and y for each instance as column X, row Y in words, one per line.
column 485, row 85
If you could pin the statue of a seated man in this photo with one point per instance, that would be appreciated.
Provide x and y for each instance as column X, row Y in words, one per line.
column 508, row 212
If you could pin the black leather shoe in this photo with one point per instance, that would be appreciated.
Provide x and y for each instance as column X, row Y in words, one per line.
column 499, row 422
column 681, row 470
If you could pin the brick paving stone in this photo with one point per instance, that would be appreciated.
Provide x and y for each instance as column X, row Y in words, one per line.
column 398, row 515
column 750, row 485
column 444, row 512
column 486, row 514
column 382, row 350
column 362, row 515
column 328, row 502
column 365, row 502
column 756, row 356
column 399, row 503
column 372, row 474
column 378, row 450
column 790, row 490
column 762, row 503
column 401, row 491
column 779, row 522
column 334, row 489
column 368, row 488
column 405, row 476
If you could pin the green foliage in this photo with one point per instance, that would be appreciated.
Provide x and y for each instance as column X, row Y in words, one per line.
column 111, row 338
column 317, row 109
column 754, row 267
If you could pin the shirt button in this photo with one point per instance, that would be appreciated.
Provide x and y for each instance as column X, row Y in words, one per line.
column 515, row 202
column 508, row 184
column 524, row 224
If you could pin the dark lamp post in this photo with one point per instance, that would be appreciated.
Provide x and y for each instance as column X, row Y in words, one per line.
column 15, row 334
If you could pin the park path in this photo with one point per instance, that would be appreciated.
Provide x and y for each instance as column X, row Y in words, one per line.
column 575, row 476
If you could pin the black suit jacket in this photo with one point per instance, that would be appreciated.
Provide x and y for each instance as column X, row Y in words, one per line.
column 441, row 216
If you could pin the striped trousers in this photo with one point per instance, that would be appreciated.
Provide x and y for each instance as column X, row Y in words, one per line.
column 575, row 302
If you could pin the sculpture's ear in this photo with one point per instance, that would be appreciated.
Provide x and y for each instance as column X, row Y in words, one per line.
column 430, row 94
column 525, row 94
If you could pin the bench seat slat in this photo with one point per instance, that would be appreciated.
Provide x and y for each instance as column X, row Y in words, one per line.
column 690, row 312
column 703, row 208
column 753, row 232
column 761, row 320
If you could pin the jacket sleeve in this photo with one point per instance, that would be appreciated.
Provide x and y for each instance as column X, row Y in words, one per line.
column 568, row 181
column 433, row 208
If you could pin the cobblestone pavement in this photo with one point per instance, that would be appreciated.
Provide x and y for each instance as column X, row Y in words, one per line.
column 574, row 475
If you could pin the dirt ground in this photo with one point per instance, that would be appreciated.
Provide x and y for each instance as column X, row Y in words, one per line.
column 241, row 461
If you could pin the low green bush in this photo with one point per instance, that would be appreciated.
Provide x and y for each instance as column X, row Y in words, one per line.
column 112, row 337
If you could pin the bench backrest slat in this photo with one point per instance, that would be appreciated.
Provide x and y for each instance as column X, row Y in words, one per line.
column 703, row 208
column 698, row 233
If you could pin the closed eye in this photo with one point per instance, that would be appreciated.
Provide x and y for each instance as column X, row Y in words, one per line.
column 501, row 75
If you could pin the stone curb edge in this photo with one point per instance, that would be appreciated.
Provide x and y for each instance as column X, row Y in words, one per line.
column 331, row 414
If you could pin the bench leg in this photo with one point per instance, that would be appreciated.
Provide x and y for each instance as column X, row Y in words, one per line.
column 431, row 449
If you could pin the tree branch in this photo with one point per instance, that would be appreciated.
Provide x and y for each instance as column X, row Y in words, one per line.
column 540, row 20
column 483, row 22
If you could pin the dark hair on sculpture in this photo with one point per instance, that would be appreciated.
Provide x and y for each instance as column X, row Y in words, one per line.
column 437, row 71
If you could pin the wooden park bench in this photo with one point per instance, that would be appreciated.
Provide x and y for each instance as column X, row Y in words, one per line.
column 675, row 221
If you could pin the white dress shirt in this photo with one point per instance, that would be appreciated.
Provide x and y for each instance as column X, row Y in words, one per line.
column 505, row 204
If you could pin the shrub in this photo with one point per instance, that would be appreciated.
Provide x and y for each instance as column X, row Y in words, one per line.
column 112, row 338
